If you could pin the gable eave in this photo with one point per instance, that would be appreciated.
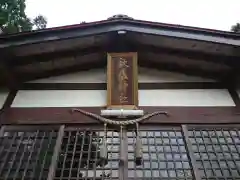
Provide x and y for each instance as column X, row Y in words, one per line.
column 84, row 38
column 94, row 28
column 101, row 37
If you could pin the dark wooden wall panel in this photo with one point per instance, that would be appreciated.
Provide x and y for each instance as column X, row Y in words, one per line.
column 7, row 104
column 177, row 115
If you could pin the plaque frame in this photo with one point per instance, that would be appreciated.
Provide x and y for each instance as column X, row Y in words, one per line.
column 134, row 80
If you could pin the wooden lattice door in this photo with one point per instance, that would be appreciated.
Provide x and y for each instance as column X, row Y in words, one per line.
column 179, row 152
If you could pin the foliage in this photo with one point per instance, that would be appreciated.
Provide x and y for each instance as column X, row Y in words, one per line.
column 236, row 28
column 40, row 22
column 14, row 19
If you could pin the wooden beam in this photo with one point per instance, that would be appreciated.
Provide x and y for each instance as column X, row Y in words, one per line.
column 124, row 45
column 197, row 55
column 7, row 104
column 103, row 86
column 7, row 76
column 24, row 77
column 177, row 115
column 189, row 148
column 55, row 55
column 188, row 70
column 235, row 96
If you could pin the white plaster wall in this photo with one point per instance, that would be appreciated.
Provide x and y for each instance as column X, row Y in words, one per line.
column 60, row 98
column 3, row 97
column 99, row 76
column 91, row 98
column 186, row 97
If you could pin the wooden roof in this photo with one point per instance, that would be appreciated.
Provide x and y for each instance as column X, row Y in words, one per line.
column 37, row 54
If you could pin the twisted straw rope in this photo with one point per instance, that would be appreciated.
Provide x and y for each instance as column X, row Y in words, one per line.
column 118, row 122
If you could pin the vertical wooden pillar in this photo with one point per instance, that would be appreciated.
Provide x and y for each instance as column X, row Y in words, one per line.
column 122, row 81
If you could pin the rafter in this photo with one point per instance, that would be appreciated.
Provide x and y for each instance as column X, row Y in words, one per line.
column 44, row 57
column 188, row 70
column 57, row 72
column 231, row 61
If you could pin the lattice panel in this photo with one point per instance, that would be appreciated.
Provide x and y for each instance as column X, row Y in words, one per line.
column 164, row 155
column 217, row 152
column 25, row 153
column 28, row 152
column 79, row 155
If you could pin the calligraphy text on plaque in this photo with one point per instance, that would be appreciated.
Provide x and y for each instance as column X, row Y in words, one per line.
column 122, row 80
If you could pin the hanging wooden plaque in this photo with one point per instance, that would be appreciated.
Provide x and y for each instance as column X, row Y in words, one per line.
column 122, row 81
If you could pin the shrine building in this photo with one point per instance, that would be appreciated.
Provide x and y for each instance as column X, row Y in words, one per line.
column 120, row 99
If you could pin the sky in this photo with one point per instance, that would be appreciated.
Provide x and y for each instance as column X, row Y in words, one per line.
column 212, row 14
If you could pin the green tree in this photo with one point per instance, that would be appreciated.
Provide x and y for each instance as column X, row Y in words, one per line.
column 14, row 19
column 236, row 28
column 40, row 22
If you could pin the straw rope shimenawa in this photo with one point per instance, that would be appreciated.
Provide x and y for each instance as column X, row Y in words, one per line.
column 121, row 123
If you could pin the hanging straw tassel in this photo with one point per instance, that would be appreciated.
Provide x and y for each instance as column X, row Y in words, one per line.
column 138, row 148
column 103, row 148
